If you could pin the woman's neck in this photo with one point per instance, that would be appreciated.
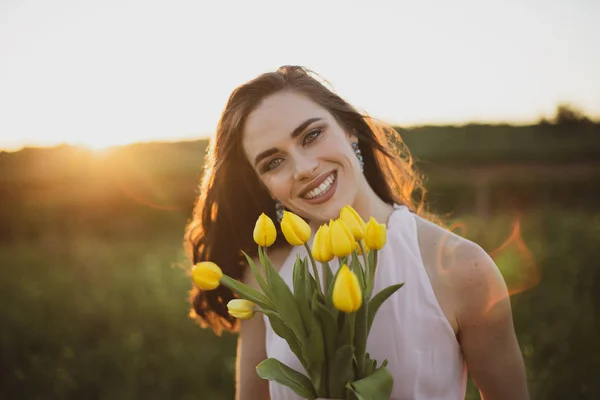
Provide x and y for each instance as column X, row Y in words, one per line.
column 370, row 205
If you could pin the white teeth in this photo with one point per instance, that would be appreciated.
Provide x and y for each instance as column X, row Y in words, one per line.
column 322, row 189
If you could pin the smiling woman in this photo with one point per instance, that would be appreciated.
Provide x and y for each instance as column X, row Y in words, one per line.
column 285, row 141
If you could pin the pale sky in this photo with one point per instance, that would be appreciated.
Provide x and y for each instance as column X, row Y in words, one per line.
column 118, row 71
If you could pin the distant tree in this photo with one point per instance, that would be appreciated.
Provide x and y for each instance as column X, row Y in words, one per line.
column 544, row 121
column 569, row 115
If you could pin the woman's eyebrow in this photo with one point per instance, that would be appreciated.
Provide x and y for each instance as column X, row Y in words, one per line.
column 295, row 133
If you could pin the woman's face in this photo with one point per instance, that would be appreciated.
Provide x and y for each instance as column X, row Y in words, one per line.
column 302, row 156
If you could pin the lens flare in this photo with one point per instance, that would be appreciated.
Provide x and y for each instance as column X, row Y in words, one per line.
column 516, row 262
column 513, row 258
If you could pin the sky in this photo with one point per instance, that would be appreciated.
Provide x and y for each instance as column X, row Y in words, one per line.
column 111, row 72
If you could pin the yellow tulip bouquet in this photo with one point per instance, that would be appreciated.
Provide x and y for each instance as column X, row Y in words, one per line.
column 324, row 317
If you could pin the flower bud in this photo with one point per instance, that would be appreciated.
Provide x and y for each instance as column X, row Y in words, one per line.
column 347, row 296
column 375, row 235
column 295, row 229
column 354, row 222
column 264, row 231
column 241, row 308
column 207, row 275
column 321, row 247
column 342, row 240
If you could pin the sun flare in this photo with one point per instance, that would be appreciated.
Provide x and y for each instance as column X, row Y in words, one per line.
column 99, row 144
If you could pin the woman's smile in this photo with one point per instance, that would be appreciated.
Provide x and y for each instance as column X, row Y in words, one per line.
column 321, row 190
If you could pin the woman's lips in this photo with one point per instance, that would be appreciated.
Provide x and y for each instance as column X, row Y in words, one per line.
column 322, row 198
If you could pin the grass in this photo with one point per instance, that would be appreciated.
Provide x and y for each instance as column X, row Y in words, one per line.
column 103, row 314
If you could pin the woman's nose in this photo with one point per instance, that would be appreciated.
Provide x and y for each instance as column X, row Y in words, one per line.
column 305, row 167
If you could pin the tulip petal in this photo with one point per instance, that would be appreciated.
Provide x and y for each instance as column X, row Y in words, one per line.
column 347, row 296
column 354, row 221
column 206, row 275
column 342, row 240
column 321, row 248
column 241, row 308
column 264, row 231
column 295, row 229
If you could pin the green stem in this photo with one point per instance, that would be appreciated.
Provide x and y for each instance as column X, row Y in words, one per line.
column 314, row 266
column 351, row 326
column 364, row 254
column 372, row 277
column 342, row 261
column 325, row 271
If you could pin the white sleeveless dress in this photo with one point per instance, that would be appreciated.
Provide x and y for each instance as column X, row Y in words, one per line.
column 410, row 329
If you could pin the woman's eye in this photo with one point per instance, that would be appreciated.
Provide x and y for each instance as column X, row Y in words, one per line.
column 312, row 135
column 272, row 164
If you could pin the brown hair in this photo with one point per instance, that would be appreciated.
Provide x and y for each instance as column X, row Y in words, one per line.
column 232, row 197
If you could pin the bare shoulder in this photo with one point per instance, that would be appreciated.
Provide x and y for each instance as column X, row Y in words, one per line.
column 466, row 276
column 455, row 255
column 474, row 297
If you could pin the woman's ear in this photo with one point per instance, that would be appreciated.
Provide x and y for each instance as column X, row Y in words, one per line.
column 352, row 137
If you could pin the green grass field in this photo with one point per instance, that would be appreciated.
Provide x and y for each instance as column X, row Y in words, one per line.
column 92, row 313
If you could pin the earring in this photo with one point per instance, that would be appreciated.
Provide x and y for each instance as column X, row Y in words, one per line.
column 279, row 210
column 358, row 155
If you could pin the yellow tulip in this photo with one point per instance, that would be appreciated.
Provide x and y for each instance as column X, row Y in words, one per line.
column 342, row 240
column 207, row 275
column 264, row 231
column 295, row 229
column 321, row 247
column 241, row 308
column 375, row 235
column 347, row 296
column 354, row 222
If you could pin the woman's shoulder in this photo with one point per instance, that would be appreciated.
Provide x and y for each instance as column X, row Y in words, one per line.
column 439, row 242
column 469, row 273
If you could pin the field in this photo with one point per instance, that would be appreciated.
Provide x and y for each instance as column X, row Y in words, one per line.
column 93, row 288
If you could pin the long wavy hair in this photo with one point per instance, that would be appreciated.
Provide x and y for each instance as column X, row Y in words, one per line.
column 231, row 196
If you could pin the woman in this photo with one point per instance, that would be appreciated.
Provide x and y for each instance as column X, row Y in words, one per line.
column 285, row 141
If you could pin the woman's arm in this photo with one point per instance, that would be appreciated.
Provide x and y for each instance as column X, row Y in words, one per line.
column 486, row 333
column 251, row 351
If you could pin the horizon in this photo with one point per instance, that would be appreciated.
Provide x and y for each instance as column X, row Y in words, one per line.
column 104, row 149
column 157, row 73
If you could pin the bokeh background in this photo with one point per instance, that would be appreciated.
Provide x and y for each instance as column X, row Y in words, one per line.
column 107, row 109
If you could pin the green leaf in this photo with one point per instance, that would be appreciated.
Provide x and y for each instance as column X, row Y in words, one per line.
column 360, row 338
column 370, row 365
column 285, row 303
column 340, row 371
column 282, row 330
column 329, row 298
column 247, row 292
column 377, row 386
column 315, row 349
column 378, row 300
column 258, row 276
column 328, row 318
column 297, row 274
column 300, row 289
column 356, row 267
column 273, row 369
column 262, row 256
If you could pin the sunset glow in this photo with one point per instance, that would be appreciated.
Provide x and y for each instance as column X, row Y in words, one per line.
column 117, row 72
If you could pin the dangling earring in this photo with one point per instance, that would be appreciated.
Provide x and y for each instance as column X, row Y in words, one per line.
column 358, row 155
column 279, row 210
